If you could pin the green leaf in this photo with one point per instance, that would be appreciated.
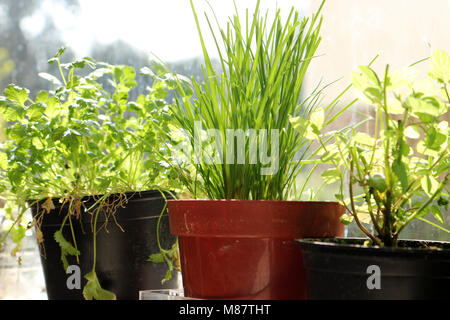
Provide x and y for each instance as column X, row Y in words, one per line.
column 3, row 161
column 440, row 66
column 374, row 94
column 331, row 175
column 11, row 111
column 16, row 94
column 412, row 132
column 317, row 119
column 66, row 248
column 403, row 78
column 53, row 107
column 346, row 219
column 146, row 71
column 430, row 185
column 369, row 75
column 378, row 182
column 424, row 109
column 60, row 51
column 434, row 139
column 94, row 75
column 42, row 97
column 37, row 143
column 156, row 258
column 167, row 277
column 35, row 111
column 437, row 214
column 93, row 290
column 186, row 86
column 399, row 169
column 364, row 139
column 17, row 235
column 299, row 124
column 52, row 79
column 359, row 82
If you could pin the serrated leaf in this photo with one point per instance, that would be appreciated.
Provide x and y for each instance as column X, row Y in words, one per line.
column 35, row 111
column 156, row 258
column 167, row 277
column 93, row 290
column 42, row 97
column 11, row 111
column 16, row 94
column 66, row 248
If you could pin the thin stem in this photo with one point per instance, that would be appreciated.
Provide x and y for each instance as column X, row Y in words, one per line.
column 354, row 211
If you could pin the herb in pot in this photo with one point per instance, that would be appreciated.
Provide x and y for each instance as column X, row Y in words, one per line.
column 85, row 138
column 403, row 170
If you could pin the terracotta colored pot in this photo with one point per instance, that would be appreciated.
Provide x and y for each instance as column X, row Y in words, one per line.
column 233, row 249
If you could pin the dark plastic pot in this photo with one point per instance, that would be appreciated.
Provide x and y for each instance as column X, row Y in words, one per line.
column 121, row 255
column 245, row 249
column 339, row 269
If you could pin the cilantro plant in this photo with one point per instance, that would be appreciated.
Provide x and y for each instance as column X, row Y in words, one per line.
column 404, row 168
column 84, row 138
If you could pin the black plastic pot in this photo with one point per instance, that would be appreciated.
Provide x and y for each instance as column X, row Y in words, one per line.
column 338, row 269
column 121, row 265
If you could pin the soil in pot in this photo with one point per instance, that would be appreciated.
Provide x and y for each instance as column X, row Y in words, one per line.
column 339, row 269
column 123, row 247
column 245, row 249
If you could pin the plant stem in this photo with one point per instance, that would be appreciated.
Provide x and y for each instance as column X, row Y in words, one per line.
column 355, row 212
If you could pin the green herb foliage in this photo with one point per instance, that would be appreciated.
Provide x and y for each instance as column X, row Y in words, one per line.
column 264, row 61
column 84, row 138
column 404, row 168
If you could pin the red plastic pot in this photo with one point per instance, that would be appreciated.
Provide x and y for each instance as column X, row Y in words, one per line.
column 245, row 249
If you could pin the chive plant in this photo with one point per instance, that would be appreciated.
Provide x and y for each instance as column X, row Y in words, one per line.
column 263, row 62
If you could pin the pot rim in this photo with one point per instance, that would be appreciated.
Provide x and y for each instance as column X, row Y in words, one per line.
column 328, row 244
column 89, row 198
column 249, row 201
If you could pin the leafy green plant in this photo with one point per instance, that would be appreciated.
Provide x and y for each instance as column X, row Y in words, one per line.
column 84, row 138
column 264, row 62
column 403, row 169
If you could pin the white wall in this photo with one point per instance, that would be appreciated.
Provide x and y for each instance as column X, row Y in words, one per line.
column 355, row 31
